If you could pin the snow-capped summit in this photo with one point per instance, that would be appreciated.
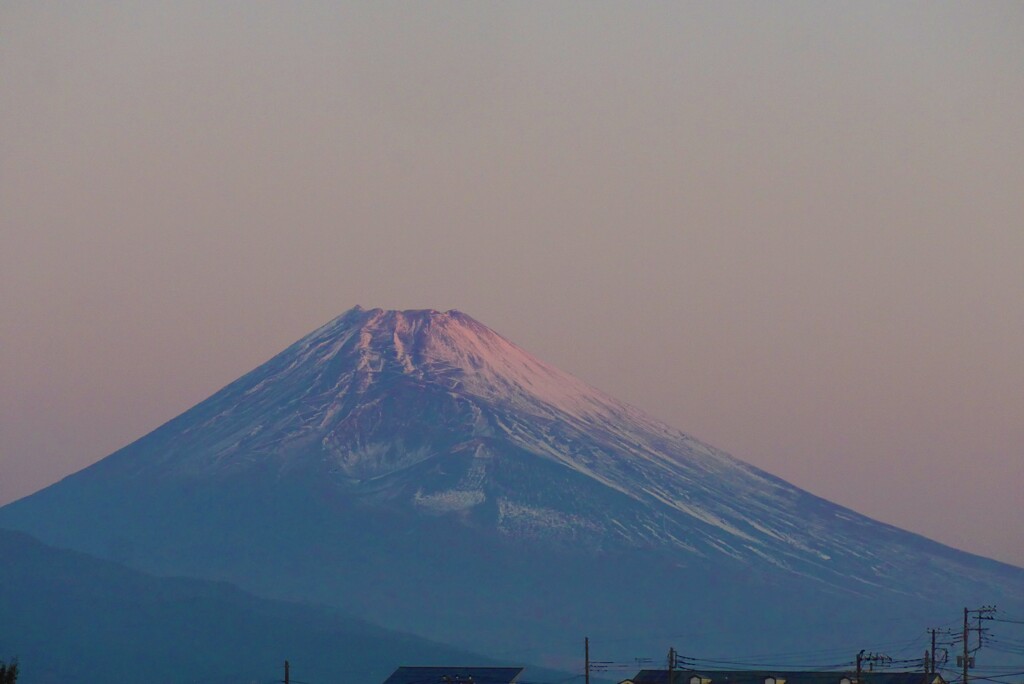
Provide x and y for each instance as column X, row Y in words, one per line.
column 454, row 349
column 418, row 467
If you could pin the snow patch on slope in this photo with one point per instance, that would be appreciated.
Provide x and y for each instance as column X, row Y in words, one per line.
column 524, row 521
column 449, row 501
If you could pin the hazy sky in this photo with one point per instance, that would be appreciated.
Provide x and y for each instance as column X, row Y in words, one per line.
column 793, row 230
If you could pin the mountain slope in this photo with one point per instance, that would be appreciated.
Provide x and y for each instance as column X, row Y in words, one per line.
column 73, row 618
column 422, row 470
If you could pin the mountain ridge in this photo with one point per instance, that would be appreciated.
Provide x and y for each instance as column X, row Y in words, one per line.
column 74, row 618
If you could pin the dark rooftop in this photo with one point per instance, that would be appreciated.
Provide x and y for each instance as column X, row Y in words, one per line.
column 789, row 676
column 456, row 675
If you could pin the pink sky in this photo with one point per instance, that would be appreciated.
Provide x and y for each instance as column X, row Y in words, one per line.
column 794, row 230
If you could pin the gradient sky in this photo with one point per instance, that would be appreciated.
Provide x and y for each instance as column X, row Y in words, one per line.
column 793, row 230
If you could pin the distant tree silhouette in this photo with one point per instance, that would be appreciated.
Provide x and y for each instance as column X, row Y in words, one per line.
column 9, row 672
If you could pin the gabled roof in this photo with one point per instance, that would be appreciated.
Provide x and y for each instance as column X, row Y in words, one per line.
column 456, row 675
column 789, row 677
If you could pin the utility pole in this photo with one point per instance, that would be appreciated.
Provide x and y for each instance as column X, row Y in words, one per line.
column 932, row 661
column 586, row 658
column 870, row 658
column 966, row 658
column 671, row 664
column 984, row 613
column 287, row 678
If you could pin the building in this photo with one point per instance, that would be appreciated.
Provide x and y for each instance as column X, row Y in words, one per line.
column 456, row 675
column 782, row 677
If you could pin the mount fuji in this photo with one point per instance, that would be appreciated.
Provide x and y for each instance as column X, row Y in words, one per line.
column 419, row 469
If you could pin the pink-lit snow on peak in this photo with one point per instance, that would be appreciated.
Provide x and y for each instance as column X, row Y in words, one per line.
column 470, row 356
